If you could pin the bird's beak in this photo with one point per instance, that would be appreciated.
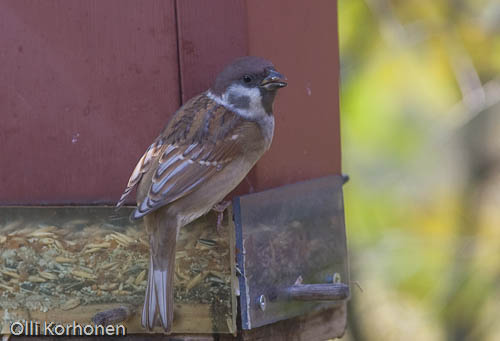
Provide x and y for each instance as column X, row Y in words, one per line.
column 273, row 81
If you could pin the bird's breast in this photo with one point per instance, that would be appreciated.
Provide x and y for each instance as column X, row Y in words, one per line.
column 266, row 124
column 214, row 191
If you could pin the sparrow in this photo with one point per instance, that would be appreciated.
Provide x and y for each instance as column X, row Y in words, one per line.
column 203, row 153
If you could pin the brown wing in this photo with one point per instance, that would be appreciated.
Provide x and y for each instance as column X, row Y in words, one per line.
column 201, row 140
column 144, row 164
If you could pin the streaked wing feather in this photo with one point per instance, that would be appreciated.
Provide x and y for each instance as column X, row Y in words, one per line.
column 184, row 174
column 202, row 138
column 142, row 167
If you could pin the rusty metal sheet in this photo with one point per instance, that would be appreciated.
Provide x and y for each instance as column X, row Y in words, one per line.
column 285, row 234
column 66, row 264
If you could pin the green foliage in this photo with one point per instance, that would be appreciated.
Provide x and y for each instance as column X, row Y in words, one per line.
column 406, row 66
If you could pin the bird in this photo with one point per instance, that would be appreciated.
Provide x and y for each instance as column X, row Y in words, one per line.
column 206, row 149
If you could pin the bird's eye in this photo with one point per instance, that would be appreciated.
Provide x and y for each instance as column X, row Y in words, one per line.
column 247, row 78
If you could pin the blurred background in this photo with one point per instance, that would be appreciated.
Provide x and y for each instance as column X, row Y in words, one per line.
column 420, row 112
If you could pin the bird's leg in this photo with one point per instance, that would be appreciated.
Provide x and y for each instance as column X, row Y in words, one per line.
column 220, row 208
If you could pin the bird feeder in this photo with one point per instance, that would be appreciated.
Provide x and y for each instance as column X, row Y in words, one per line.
column 86, row 94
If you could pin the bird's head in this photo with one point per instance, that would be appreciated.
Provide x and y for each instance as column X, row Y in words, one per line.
column 249, row 84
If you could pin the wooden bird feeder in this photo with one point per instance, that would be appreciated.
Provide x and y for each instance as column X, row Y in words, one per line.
column 83, row 97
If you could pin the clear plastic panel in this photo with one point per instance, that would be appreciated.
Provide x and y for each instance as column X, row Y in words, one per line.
column 69, row 263
column 283, row 234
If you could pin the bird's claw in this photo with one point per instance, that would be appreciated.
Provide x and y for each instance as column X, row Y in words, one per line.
column 220, row 208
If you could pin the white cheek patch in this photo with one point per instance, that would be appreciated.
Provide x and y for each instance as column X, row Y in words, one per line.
column 254, row 109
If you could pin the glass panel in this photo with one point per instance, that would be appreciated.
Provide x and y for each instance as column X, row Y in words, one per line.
column 283, row 234
column 68, row 263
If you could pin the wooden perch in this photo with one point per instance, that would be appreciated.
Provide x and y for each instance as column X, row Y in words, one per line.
column 318, row 292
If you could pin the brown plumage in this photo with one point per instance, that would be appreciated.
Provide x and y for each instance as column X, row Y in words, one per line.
column 206, row 149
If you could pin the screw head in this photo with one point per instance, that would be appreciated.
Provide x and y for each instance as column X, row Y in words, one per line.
column 262, row 302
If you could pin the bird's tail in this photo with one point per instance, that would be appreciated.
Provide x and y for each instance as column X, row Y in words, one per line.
column 159, row 299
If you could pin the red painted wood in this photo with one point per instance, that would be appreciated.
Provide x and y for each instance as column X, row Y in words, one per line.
column 85, row 86
column 301, row 40
column 211, row 34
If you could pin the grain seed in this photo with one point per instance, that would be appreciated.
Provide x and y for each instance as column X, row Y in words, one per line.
column 36, row 279
column 140, row 277
column 48, row 275
column 61, row 259
column 83, row 274
column 71, row 304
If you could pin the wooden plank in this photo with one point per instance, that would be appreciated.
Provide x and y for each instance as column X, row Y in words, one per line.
column 324, row 325
column 319, row 326
column 211, row 34
column 189, row 318
column 86, row 86
column 131, row 337
column 302, row 41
